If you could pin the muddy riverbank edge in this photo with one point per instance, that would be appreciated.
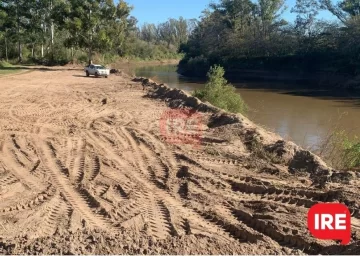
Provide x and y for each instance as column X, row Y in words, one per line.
column 257, row 140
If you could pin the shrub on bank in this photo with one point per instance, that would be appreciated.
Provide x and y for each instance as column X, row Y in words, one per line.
column 220, row 93
column 342, row 151
column 351, row 152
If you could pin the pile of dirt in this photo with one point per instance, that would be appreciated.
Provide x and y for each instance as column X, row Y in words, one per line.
column 296, row 158
column 98, row 242
column 174, row 97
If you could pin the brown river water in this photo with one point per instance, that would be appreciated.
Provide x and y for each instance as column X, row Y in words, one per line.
column 306, row 117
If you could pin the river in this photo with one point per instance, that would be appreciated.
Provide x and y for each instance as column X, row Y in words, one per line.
column 306, row 117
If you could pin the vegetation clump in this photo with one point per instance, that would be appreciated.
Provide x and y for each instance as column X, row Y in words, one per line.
column 342, row 151
column 4, row 64
column 6, row 68
column 351, row 152
column 220, row 93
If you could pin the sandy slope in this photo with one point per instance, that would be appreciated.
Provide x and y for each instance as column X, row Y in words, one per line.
column 84, row 169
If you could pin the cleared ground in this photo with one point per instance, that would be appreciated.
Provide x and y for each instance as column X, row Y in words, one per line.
column 84, row 169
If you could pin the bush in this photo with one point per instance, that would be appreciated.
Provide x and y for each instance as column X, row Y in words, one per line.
column 341, row 151
column 83, row 58
column 220, row 93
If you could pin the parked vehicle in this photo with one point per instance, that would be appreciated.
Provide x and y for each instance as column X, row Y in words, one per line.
column 97, row 70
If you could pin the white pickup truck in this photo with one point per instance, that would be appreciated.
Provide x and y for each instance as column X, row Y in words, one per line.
column 97, row 70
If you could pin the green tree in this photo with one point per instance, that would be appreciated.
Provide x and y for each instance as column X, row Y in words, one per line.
column 119, row 27
column 269, row 12
column 238, row 14
column 346, row 10
column 3, row 34
column 306, row 11
column 18, row 17
column 220, row 93
column 51, row 30
column 148, row 32
column 91, row 23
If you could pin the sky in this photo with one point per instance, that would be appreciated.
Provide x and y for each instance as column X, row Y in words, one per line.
column 156, row 11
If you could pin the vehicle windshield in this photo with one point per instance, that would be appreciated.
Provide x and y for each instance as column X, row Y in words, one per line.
column 99, row 67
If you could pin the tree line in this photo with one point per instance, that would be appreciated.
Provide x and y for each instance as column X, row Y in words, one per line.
column 250, row 34
column 56, row 31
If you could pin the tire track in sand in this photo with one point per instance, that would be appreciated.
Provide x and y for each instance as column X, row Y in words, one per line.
column 72, row 196
column 54, row 210
column 77, row 171
column 10, row 163
column 192, row 217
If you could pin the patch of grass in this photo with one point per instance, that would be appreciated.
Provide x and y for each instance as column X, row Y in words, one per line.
column 7, row 68
column 9, row 71
column 4, row 64
column 220, row 93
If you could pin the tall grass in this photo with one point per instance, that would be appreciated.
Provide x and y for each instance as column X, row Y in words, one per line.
column 342, row 151
column 4, row 64
column 220, row 93
column 351, row 152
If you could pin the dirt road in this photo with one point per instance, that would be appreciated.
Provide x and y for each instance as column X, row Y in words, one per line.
column 84, row 168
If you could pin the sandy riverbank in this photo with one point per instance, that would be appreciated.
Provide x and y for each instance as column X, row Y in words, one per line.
column 85, row 168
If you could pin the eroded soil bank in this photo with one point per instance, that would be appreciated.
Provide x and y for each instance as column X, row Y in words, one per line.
column 85, row 168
